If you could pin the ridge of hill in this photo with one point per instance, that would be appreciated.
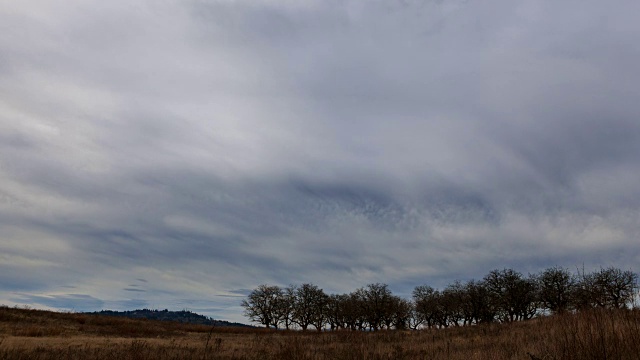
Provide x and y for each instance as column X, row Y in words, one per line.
column 183, row 316
column 26, row 322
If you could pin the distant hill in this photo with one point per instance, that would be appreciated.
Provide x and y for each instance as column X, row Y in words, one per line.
column 166, row 315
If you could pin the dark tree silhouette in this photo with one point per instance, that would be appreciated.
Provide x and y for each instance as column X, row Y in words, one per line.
column 336, row 311
column 556, row 287
column 309, row 306
column 503, row 295
column 286, row 306
column 606, row 288
column 376, row 301
column 261, row 305
column 477, row 304
column 426, row 301
column 512, row 296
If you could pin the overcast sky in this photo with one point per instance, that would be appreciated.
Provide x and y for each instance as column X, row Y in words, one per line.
column 174, row 154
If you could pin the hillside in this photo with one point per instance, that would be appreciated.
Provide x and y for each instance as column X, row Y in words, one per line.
column 166, row 315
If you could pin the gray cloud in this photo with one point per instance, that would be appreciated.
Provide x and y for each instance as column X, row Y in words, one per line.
column 134, row 290
column 75, row 302
column 199, row 148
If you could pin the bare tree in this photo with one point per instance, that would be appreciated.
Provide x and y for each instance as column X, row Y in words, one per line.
column 513, row 296
column 376, row 302
column 309, row 308
column 617, row 286
column 416, row 319
column 426, row 301
column 556, row 287
column 401, row 312
column 286, row 306
column 261, row 305
column 477, row 306
column 355, row 310
column 607, row 288
column 452, row 303
column 335, row 310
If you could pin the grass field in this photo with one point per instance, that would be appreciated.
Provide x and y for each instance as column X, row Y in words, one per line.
column 33, row 334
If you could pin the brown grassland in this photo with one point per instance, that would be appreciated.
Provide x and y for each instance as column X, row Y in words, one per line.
column 34, row 334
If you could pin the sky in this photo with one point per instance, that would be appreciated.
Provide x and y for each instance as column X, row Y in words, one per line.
column 177, row 154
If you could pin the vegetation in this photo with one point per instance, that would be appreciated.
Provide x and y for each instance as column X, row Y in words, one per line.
column 501, row 296
column 589, row 334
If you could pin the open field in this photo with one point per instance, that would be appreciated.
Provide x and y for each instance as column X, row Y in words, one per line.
column 32, row 334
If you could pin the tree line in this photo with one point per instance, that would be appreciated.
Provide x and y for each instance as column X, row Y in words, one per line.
column 501, row 296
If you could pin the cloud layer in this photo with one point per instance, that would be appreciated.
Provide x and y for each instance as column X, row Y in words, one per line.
column 177, row 153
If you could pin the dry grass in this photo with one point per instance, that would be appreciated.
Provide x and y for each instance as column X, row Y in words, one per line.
column 30, row 334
